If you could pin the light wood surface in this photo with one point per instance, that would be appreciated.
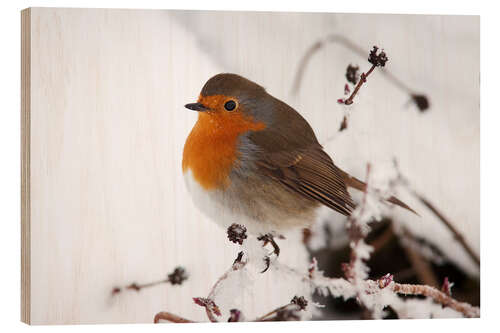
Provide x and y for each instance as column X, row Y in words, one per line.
column 25, row 165
column 103, row 127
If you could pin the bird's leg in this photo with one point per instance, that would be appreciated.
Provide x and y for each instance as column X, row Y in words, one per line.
column 266, row 239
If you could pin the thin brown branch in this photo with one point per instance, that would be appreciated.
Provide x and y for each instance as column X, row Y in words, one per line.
column 137, row 287
column 288, row 306
column 377, row 60
column 362, row 80
column 171, row 318
column 177, row 277
column 286, row 312
column 382, row 240
column 422, row 267
column 438, row 296
column 456, row 234
column 303, row 64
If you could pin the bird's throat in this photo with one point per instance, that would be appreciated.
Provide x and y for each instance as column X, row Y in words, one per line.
column 210, row 151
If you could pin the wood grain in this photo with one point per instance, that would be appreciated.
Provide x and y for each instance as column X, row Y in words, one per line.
column 25, row 166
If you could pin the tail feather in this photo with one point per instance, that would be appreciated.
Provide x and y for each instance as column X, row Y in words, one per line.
column 357, row 184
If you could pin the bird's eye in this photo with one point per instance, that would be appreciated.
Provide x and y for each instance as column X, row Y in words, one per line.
column 230, row 105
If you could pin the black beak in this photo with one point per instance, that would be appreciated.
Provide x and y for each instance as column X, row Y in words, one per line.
column 196, row 107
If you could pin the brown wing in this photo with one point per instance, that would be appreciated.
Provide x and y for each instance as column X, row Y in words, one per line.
column 289, row 152
column 310, row 173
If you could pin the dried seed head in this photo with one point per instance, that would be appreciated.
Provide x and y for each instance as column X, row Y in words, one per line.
column 300, row 301
column 237, row 233
column 352, row 74
column 379, row 59
column 178, row 276
column 421, row 101
column 235, row 315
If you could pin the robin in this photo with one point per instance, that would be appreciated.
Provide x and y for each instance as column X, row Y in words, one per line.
column 252, row 159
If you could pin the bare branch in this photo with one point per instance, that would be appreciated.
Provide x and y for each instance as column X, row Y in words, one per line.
column 362, row 81
column 170, row 317
column 178, row 276
column 286, row 312
column 456, row 234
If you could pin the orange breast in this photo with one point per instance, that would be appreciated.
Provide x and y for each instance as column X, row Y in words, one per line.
column 210, row 151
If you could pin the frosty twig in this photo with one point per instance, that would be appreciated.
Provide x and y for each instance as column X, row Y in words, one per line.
column 357, row 235
column 237, row 265
column 339, row 287
column 208, row 303
column 438, row 296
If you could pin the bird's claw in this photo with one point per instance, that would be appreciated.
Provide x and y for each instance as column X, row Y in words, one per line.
column 267, row 260
column 266, row 239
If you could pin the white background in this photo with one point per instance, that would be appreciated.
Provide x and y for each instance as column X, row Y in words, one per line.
column 10, row 145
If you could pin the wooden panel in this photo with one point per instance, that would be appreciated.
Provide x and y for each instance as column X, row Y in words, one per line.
column 25, row 165
column 103, row 127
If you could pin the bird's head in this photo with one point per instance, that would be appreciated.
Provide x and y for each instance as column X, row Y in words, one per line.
column 229, row 99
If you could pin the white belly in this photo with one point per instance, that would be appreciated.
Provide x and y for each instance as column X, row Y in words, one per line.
column 223, row 209
column 215, row 205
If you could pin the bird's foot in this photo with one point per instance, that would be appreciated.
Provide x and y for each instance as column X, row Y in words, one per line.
column 269, row 239
column 267, row 261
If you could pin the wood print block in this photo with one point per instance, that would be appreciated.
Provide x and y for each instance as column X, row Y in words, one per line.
column 156, row 189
